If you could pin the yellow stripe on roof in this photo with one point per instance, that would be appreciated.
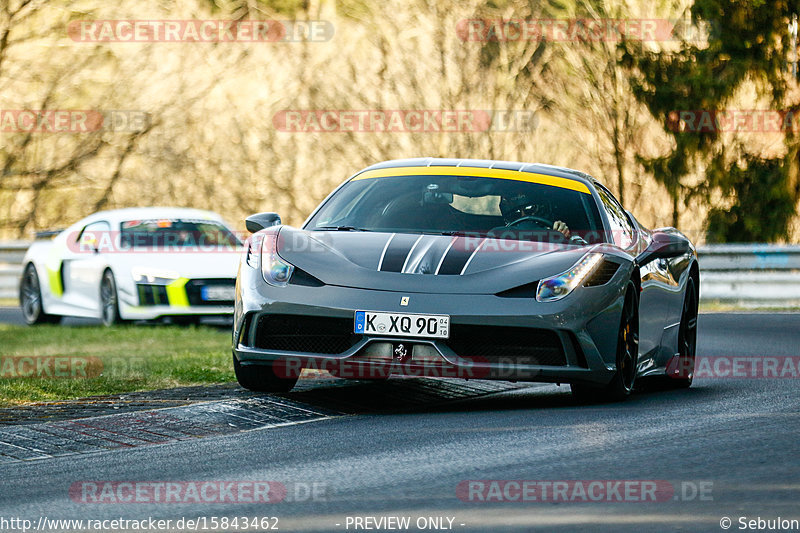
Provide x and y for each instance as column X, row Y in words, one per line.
column 499, row 173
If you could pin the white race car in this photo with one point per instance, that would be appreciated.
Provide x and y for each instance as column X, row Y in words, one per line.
column 133, row 264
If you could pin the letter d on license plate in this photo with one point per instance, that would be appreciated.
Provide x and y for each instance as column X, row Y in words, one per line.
column 402, row 324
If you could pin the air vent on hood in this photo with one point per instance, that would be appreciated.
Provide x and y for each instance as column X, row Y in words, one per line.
column 301, row 277
column 523, row 291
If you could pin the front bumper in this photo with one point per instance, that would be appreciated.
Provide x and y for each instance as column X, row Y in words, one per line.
column 184, row 297
column 578, row 332
column 133, row 312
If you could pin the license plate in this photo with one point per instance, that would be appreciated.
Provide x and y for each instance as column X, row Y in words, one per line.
column 217, row 293
column 403, row 324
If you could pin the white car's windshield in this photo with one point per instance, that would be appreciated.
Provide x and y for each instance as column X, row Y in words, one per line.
column 168, row 233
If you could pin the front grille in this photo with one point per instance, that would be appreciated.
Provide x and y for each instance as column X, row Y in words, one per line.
column 194, row 290
column 152, row 294
column 515, row 345
column 301, row 333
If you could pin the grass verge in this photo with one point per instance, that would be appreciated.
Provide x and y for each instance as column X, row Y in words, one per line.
column 51, row 363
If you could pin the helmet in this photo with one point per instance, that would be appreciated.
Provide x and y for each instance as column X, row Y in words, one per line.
column 519, row 205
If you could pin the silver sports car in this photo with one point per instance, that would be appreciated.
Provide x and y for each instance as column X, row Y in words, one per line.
column 467, row 269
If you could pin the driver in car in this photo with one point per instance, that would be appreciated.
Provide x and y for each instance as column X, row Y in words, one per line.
column 524, row 212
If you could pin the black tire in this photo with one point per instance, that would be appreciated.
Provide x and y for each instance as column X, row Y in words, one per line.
column 109, row 300
column 30, row 299
column 687, row 339
column 621, row 385
column 261, row 378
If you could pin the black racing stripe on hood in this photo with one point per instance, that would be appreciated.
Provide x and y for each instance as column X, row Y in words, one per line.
column 457, row 256
column 397, row 251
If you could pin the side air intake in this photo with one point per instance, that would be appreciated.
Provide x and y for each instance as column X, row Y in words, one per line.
column 602, row 274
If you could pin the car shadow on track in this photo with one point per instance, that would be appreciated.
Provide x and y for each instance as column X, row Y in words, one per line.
column 406, row 396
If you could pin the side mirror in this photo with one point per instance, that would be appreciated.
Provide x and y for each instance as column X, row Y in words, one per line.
column 665, row 244
column 259, row 221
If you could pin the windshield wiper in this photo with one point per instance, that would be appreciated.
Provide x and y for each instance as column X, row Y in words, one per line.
column 341, row 228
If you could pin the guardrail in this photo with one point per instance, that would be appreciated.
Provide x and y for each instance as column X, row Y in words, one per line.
column 11, row 254
column 754, row 275
column 750, row 275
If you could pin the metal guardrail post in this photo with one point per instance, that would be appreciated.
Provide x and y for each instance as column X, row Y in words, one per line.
column 11, row 255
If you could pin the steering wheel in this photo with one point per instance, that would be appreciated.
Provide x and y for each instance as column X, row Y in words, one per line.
column 543, row 222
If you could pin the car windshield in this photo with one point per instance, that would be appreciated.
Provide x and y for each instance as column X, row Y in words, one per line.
column 170, row 232
column 484, row 206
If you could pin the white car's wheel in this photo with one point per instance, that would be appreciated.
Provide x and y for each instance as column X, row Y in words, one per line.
column 30, row 299
column 109, row 301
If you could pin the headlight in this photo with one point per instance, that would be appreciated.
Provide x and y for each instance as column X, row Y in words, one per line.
column 275, row 270
column 557, row 287
column 153, row 276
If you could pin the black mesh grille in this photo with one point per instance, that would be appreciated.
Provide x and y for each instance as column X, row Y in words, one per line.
column 194, row 290
column 602, row 274
column 152, row 294
column 507, row 344
column 300, row 333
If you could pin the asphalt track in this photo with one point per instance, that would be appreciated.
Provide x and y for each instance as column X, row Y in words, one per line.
column 727, row 447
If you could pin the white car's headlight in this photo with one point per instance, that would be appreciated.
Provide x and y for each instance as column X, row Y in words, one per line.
column 153, row 276
column 557, row 287
column 275, row 270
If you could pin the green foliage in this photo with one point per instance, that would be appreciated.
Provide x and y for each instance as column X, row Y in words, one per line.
column 761, row 207
column 748, row 41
